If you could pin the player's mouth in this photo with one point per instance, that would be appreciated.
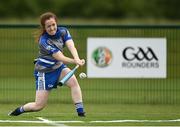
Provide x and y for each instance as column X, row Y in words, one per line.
column 52, row 32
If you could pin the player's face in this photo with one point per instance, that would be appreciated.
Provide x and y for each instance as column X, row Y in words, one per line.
column 51, row 26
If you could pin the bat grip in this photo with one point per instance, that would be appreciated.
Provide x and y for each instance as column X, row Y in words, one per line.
column 76, row 66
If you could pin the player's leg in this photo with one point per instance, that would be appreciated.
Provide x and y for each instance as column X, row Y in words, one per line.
column 76, row 94
column 39, row 104
column 40, row 101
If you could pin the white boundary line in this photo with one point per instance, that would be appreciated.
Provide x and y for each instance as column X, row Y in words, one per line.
column 46, row 120
column 136, row 121
column 61, row 123
column 53, row 123
column 20, row 121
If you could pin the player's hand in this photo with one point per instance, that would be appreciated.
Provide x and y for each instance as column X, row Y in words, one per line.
column 83, row 61
column 80, row 62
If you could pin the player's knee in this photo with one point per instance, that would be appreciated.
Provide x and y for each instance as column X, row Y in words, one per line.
column 39, row 107
column 73, row 82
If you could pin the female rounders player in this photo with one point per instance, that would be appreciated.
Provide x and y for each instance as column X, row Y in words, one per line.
column 50, row 66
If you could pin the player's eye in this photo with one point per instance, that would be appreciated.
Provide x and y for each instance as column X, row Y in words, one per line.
column 48, row 26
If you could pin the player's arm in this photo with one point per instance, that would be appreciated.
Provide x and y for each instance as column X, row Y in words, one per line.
column 60, row 57
column 72, row 48
column 70, row 45
column 55, row 52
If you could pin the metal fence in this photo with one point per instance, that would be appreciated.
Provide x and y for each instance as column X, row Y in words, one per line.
column 18, row 49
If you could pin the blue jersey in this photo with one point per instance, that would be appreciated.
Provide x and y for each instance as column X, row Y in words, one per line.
column 49, row 44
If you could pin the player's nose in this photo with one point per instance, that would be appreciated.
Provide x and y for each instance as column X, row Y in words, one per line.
column 51, row 28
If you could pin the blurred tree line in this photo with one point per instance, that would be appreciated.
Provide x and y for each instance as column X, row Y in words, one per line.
column 92, row 8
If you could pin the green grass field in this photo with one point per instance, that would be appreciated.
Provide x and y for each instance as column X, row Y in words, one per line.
column 108, row 102
column 98, row 112
column 104, row 105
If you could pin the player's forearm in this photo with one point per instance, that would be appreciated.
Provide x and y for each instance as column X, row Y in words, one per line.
column 74, row 53
column 60, row 57
column 72, row 49
column 67, row 60
column 78, row 61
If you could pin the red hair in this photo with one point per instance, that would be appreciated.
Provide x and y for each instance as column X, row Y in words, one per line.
column 43, row 18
